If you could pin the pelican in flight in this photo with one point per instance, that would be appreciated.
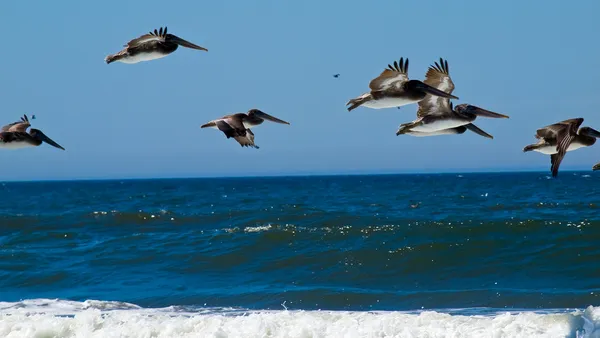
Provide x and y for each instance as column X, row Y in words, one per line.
column 238, row 125
column 151, row 46
column 392, row 88
column 596, row 167
column 556, row 139
column 15, row 136
column 437, row 114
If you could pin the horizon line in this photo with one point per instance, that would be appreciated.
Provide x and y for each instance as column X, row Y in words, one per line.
column 284, row 175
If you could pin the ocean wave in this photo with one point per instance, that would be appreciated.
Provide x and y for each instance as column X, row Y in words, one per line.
column 59, row 318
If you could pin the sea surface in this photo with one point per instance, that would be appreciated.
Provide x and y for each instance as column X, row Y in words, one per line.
column 448, row 255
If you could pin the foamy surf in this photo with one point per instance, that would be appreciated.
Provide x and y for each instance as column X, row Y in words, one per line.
column 56, row 318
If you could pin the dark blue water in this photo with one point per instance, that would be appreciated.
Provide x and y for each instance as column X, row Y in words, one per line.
column 514, row 240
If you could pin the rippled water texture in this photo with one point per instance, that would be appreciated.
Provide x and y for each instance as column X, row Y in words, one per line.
column 352, row 243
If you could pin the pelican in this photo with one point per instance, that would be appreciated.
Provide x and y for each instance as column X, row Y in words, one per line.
column 596, row 167
column 151, row 46
column 15, row 136
column 556, row 139
column 437, row 113
column 238, row 125
column 392, row 88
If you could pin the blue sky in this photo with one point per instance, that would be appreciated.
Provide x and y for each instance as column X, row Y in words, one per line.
column 537, row 61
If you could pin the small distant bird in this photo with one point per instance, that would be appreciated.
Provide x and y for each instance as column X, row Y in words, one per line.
column 336, row 75
column 437, row 115
column 556, row 139
column 238, row 125
column 151, row 46
column 15, row 136
column 415, row 205
column 392, row 88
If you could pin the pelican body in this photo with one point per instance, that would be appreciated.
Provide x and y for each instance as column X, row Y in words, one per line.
column 436, row 113
column 392, row 88
column 451, row 131
column 559, row 138
column 15, row 136
column 151, row 46
column 238, row 125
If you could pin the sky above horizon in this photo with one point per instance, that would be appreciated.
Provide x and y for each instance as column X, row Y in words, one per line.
column 535, row 61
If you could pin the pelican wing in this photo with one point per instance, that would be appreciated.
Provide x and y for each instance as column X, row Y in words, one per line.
column 157, row 35
column 437, row 76
column 394, row 77
column 13, row 136
column 565, row 134
column 20, row 126
column 232, row 126
column 246, row 140
column 552, row 131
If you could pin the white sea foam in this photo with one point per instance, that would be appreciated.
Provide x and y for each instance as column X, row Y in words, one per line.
column 55, row 318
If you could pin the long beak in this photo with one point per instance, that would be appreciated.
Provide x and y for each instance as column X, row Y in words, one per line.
column 478, row 131
column 593, row 132
column 268, row 117
column 49, row 141
column 432, row 90
column 486, row 113
column 184, row 43
column 596, row 167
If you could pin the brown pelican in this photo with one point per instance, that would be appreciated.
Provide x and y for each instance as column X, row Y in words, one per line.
column 151, row 46
column 437, row 113
column 238, row 125
column 392, row 88
column 15, row 136
column 556, row 139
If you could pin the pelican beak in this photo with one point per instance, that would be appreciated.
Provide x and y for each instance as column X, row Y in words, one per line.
column 184, row 43
column 593, row 132
column 430, row 90
column 478, row 131
column 268, row 117
column 48, row 140
column 485, row 113
column 596, row 167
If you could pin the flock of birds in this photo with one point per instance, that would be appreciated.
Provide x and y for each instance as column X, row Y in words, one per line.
column 436, row 114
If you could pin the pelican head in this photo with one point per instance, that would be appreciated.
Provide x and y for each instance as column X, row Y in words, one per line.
column 468, row 109
column 40, row 136
column 589, row 132
column 260, row 114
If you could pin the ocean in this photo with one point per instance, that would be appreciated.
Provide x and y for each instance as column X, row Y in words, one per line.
column 435, row 255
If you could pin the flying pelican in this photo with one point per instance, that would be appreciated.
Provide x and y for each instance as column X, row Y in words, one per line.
column 556, row 139
column 392, row 88
column 596, row 167
column 15, row 136
column 238, row 125
column 437, row 113
column 151, row 46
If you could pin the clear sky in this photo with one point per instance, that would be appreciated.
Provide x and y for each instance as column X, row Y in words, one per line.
column 536, row 61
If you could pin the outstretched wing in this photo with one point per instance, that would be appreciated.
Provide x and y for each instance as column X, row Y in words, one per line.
column 564, row 136
column 20, row 126
column 233, row 127
column 437, row 76
column 393, row 77
column 246, row 140
column 552, row 131
column 157, row 35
